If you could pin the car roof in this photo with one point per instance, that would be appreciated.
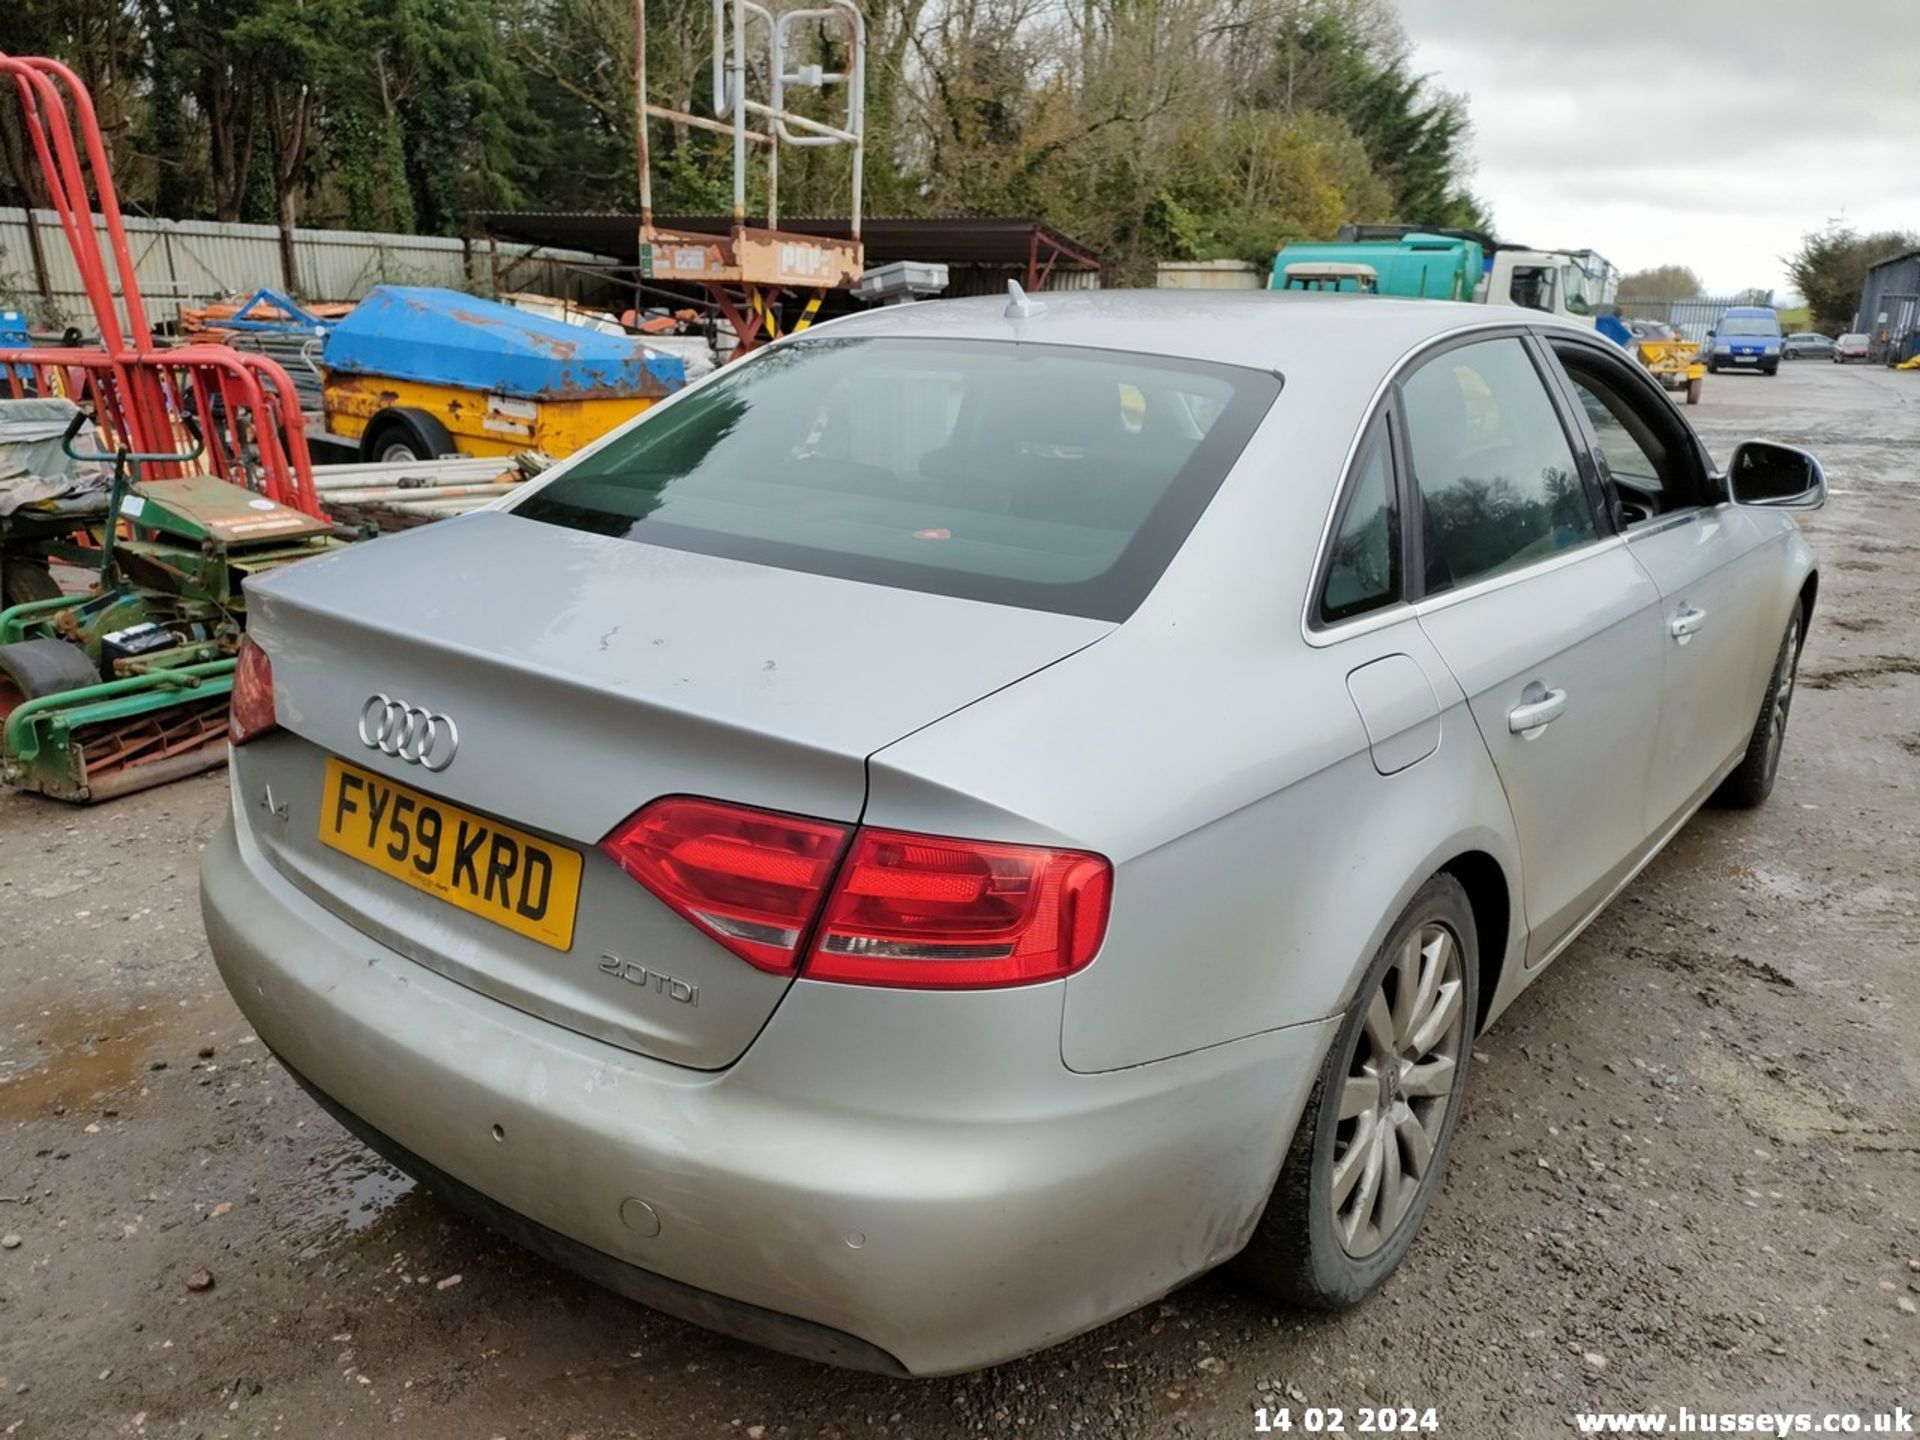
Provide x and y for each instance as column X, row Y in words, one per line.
column 1287, row 331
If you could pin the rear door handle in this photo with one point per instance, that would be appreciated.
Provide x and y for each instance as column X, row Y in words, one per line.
column 1688, row 619
column 1539, row 707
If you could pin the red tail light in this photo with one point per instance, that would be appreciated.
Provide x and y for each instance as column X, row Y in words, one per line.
column 924, row 912
column 752, row 879
column 912, row 911
column 250, row 707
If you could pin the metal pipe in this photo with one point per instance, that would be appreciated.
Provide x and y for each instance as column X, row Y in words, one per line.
column 829, row 134
column 718, row 127
column 738, row 69
column 370, row 494
column 20, row 722
column 774, row 66
column 640, row 115
column 14, row 614
column 857, row 110
column 109, row 198
column 116, row 783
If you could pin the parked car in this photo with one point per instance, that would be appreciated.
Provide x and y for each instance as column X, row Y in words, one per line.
column 1747, row 337
column 1851, row 346
column 967, row 818
column 1807, row 345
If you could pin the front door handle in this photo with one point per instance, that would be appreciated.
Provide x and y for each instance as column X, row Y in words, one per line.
column 1539, row 707
column 1686, row 620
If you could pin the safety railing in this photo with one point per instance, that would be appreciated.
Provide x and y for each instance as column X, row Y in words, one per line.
column 144, row 397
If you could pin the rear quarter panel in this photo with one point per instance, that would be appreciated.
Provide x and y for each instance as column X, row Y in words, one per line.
column 1217, row 759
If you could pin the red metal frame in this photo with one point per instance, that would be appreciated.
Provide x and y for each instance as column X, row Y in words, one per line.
column 141, row 393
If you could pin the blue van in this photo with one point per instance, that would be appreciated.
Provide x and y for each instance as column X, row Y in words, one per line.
column 1747, row 338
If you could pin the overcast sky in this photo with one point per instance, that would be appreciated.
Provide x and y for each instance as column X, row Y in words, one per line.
column 1709, row 133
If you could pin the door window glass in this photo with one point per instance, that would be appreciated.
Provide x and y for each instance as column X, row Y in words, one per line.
column 1496, row 475
column 1625, row 457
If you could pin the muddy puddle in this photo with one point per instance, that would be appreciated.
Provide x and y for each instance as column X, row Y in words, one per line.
column 338, row 1196
column 70, row 1059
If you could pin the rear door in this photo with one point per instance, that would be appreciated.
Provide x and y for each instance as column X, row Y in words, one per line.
column 1701, row 550
column 1547, row 622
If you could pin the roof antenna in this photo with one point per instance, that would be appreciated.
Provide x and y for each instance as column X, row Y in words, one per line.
column 1019, row 307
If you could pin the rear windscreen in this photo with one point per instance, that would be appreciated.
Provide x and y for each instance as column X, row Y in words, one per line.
column 1044, row 476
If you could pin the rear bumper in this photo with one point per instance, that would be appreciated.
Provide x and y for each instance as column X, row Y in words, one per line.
column 893, row 1181
column 703, row 1307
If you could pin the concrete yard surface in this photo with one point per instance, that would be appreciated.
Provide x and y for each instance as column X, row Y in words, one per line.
column 1688, row 1173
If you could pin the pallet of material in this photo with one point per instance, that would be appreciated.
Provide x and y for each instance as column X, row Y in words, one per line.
column 403, row 494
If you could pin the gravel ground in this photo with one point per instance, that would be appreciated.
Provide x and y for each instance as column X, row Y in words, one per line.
column 1689, row 1172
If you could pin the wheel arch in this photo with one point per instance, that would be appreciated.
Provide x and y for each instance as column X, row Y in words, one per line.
column 1809, row 591
column 425, row 430
column 1491, row 898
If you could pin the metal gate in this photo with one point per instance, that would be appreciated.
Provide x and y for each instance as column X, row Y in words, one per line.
column 1893, row 333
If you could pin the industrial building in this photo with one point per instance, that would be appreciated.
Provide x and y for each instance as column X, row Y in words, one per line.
column 1889, row 313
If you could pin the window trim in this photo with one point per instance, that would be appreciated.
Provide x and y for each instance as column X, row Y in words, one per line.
column 1416, row 573
column 1385, row 394
column 1382, row 428
column 1587, row 458
column 1486, row 584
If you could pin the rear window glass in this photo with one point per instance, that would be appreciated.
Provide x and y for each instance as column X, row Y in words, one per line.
column 1044, row 476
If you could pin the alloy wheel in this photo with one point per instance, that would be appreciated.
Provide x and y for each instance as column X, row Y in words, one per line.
column 1401, row 1082
column 1783, row 678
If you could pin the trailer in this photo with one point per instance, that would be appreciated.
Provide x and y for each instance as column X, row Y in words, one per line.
column 415, row 373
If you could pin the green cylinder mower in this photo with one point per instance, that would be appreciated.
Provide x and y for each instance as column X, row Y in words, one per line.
column 125, row 685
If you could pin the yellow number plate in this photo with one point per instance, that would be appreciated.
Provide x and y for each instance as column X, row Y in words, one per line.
column 486, row 868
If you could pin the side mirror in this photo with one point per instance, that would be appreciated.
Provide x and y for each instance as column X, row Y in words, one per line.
column 1776, row 476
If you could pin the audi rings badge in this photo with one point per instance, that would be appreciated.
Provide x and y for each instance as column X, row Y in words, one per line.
column 406, row 732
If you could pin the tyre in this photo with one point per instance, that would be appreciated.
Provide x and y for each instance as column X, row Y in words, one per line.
column 23, row 581
column 399, row 435
column 1752, row 780
column 1694, row 387
column 1372, row 1143
column 1773, row 369
column 38, row 668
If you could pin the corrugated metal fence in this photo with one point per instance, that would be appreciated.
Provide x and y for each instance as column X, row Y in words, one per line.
column 187, row 262
column 1698, row 311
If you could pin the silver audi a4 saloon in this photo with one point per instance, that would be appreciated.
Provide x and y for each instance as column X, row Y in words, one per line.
column 979, row 812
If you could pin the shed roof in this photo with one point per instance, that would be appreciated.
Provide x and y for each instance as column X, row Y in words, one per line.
column 1899, row 259
column 952, row 239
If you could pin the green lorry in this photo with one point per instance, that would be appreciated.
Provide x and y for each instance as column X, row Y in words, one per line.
column 1449, row 265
